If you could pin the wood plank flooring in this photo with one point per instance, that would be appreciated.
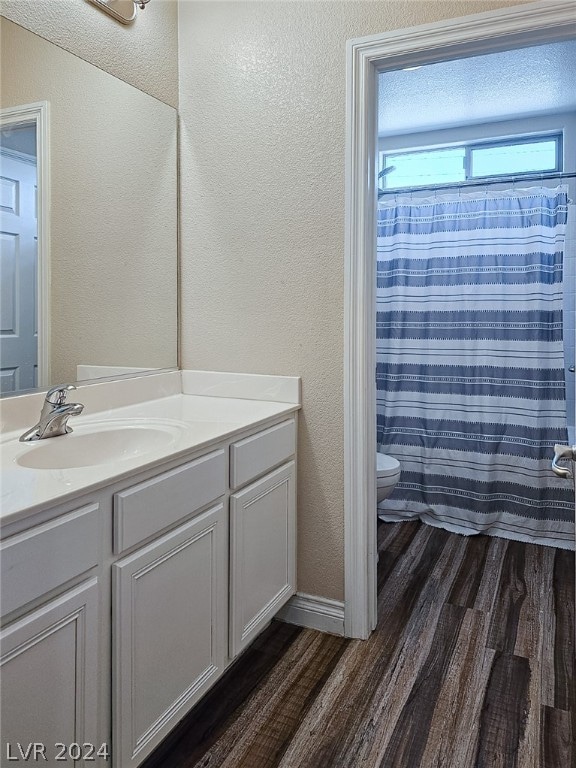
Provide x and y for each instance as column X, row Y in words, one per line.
column 472, row 666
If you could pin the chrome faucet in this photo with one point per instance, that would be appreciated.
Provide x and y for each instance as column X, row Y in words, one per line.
column 54, row 415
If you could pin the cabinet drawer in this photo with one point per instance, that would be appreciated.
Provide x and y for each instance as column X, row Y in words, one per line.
column 41, row 559
column 149, row 507
column 251, row 457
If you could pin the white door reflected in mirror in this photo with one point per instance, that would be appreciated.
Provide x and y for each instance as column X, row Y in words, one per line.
column 18, row 237
column 23, row 294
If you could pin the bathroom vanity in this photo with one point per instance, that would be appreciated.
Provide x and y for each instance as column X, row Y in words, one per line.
column 132, row 579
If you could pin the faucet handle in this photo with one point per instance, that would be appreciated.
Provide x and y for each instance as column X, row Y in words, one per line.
column 57, row 395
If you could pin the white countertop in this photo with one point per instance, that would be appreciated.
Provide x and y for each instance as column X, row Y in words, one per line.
column 198, row 422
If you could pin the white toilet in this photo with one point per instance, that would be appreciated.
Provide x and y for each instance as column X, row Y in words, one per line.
column 388, row 474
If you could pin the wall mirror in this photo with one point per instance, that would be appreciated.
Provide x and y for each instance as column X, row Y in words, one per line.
column 88, row 220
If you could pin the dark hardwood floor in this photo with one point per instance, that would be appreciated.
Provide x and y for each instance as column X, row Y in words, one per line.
column 471, row 666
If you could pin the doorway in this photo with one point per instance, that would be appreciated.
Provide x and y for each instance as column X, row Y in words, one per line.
column 24, row 279
column 18, row 259
column 509, row 28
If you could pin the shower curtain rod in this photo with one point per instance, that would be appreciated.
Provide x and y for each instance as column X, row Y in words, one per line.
column 489, row 180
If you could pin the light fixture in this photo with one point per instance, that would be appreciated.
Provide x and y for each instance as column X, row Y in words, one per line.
column 121, row 10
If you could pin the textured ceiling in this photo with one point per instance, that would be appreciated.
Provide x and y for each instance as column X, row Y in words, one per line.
column 498, row 86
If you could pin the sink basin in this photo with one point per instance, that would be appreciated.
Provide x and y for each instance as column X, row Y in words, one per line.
column 100, row 443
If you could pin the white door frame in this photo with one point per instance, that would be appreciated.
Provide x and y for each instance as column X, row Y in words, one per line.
column 514, row 27
column 25, row 114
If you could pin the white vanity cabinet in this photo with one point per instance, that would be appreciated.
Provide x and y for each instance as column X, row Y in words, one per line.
column 50, row 663
column 169, row 600
column 170, row 619
column 262, row 530
column 50, row 672
column 121, row 612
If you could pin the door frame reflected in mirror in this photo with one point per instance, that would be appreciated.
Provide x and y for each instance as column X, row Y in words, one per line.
column 38, row 114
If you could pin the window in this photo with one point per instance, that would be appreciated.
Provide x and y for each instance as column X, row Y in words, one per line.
column 450, row 165
column 520, row 157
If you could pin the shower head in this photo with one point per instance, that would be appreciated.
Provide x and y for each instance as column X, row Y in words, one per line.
column 386, row 171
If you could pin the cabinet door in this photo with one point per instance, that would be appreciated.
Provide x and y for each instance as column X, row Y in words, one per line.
column 262, row 553
column 49, row 668
column 169, row 631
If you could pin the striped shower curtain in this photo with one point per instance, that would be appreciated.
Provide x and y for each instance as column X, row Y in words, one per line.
column 470, row 362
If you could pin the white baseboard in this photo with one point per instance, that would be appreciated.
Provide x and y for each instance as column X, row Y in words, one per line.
column 314, row 612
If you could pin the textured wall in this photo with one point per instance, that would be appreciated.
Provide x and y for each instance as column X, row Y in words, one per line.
column 262, row 103
column 144, row 53
column 113, row 239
